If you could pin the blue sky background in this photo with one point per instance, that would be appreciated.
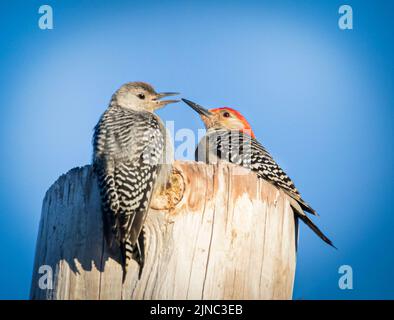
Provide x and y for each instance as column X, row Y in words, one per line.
column 319, row 98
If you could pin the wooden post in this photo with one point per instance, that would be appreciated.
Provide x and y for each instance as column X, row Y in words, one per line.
column 217, row 233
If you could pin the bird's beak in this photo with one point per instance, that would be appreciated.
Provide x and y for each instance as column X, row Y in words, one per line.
column 199, row 109
column 166, row 94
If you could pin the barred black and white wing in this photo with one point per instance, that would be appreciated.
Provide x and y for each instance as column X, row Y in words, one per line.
column 128, row 148
column 236, row 147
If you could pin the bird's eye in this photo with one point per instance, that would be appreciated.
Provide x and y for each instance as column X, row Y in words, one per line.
column 141, row 96
column 226, row 115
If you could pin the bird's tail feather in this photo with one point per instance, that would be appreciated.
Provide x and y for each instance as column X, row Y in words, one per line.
column 300, row 213
column 128, row 251
column 301, row 202
column 127, row 254
column 316, row 230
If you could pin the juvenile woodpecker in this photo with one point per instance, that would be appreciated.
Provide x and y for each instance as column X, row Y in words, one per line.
column 229, row 137
column 132, row 159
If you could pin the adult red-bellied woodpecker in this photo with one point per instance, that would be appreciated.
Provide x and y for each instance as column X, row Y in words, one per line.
column 132, row 158
column 229, row 137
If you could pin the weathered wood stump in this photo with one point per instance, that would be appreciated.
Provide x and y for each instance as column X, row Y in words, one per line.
column 217, row 233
